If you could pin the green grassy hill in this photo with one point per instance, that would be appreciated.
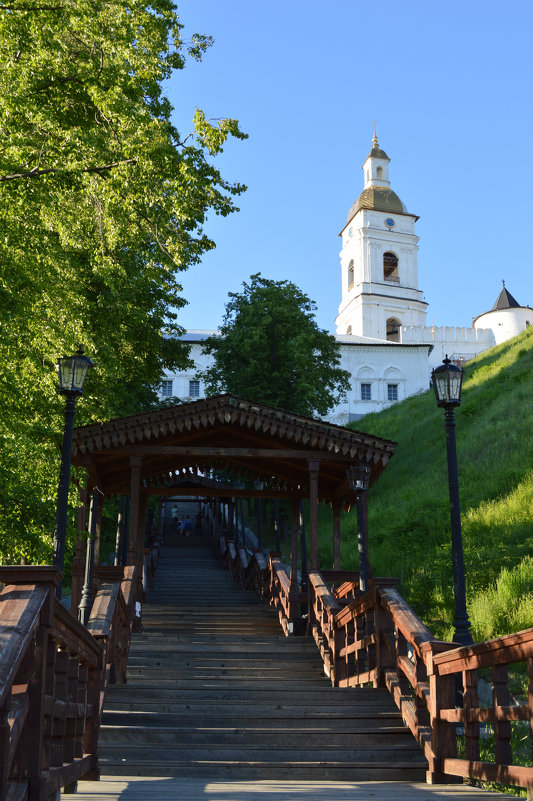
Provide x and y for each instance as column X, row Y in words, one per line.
column 409, row 524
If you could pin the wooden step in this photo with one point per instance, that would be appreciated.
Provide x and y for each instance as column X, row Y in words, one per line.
column 215, row 690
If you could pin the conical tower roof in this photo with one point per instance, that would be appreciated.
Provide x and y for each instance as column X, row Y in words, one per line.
column 505, row 300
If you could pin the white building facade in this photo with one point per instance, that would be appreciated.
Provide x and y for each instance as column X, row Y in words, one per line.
column 385, row 343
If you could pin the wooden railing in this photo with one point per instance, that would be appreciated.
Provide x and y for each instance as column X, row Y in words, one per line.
column 53, row 675
column 377, row 639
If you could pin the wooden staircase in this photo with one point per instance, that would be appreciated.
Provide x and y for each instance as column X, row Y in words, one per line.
column 215, row 690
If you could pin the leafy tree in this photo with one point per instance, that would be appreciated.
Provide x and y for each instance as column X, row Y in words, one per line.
column 102, row 204
column 270, row 349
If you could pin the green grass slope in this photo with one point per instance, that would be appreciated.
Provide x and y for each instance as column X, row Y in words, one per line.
column 409, row 524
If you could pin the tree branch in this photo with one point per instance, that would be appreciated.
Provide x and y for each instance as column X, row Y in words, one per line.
column 31, row 8
column 35, row 173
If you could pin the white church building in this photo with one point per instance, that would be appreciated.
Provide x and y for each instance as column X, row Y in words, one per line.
column 385, row 343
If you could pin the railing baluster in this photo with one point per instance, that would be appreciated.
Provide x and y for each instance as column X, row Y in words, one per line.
column 59, row 702
column 471, row 701
column 502, row 728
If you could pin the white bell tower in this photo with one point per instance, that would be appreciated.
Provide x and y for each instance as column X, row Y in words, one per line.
column 379, row 264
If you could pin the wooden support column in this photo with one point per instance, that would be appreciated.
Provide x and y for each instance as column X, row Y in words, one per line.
column 135, row 497
column 337, row 535
column 313, row 513
column 119, row 540
column 78, row 561
column 231, row 521
column 294, row 589
column 141, row 532
column 98, row 535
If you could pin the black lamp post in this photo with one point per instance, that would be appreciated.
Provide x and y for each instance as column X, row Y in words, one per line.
column 71, row 371
column 359, row 482
column 447, row 382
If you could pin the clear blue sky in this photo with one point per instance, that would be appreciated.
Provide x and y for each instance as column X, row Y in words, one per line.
column 450, row 85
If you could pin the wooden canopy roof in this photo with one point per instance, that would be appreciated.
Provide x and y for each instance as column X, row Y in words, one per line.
column 249, row 448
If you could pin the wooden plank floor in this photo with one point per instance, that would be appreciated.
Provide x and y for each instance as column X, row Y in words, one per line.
column 124, row 788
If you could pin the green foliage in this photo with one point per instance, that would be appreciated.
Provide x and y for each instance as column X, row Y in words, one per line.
column 271, row 350
column 409, row 522
column 102, row 205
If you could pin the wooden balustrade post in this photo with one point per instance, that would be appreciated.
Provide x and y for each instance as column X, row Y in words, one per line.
column 337, row 535
column 443, row 735
column 314, row 466
column 385, row 634
column 294, row 589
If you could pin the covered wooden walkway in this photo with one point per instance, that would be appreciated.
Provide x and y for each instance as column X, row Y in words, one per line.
column 59, row 679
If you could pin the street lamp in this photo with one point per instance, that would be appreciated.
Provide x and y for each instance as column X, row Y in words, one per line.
column 71, row 371
column 359, row 482
column 447, row 382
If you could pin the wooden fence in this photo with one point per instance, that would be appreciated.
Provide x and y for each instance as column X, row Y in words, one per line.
column 376, row 639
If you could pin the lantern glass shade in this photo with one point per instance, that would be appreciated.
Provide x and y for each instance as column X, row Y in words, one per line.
column 72, row 371
column 447, row 381
column 358, row 477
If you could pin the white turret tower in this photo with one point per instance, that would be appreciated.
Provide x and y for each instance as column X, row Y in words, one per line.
column 379, row 264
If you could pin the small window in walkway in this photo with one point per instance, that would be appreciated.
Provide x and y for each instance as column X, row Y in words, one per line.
column 390, row 268
column 366, row 391
column 392, row 392
column 166, row 389
column 194, row 389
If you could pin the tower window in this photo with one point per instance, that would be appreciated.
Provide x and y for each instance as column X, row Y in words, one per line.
column 393, row 329
column 350, row 275
column 379, row 172
column 366, row 391
column 166, row 389
column 392, row 392
column 194, row 389
column 349, row 329
column 390, row 267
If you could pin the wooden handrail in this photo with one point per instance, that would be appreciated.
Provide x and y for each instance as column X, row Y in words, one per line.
column 53, row 674
column 378, row 639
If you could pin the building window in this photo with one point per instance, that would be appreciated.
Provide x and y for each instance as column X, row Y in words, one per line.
column 390, row 268
column 392, row 392
column 366, row 391
column 349, row 329
column 393, row 329
column 194, row 389
column 350, row 275
column 380, row 172
column 166, row 389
